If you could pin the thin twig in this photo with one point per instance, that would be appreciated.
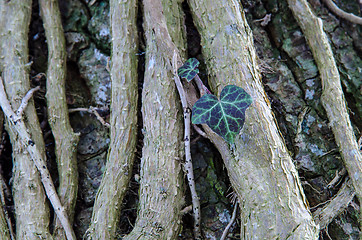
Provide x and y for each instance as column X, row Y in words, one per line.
column 25, row 100
column 323, row 216
column 202, row 88
column 340, row 13
column 186, row 210
column 91, row 110
column 199, row 131
column 337, row 178
column 18, row 125
column 226, row 230
column 188, row 161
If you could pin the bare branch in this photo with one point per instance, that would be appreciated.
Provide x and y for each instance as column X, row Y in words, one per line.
column 324, row 216
column 188, row 160
column 226, row 230
column 18, row 125
column 66, row 141
column 91, row 110
column 199, row 131
column 340, row 13
column 25, row 100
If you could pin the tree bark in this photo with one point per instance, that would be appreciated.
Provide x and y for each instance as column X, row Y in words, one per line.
column 332, row 97
column 260, row 169
column 31, row 209
column 161, row 185
column 65, row 139
column 4, row 229
column 108, row 203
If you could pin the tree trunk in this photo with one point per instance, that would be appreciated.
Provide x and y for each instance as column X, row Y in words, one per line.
column 65, row 140
column 259, row 166
column 31, row 208
column 161, row 185
column 108, row 203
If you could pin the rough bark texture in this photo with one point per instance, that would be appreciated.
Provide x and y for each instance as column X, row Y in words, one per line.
column 65, row 139
column 161, row 185
column 261, row 170
column 4, row 230
column 332, row 96
column 31, row 209
column 107, row 206
column 324, row 216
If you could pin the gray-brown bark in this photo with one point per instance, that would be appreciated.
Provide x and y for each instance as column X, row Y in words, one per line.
column 107, row 206
column 65, row 139
column 161, row 184
column 4, row 229
column 332, row 97
column 324, row 216
column 259, row 166
column 31, row 209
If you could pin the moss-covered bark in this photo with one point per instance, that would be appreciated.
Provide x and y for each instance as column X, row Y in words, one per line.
column 107, row 206
column 65, row 139
column 261, row 170
column 31, row 209
column 161, row 185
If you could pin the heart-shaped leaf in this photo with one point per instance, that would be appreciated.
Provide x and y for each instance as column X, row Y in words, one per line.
column 189, row 70
column 225, row 116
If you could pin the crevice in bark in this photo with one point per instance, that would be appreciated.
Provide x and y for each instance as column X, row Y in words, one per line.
column 194, row 43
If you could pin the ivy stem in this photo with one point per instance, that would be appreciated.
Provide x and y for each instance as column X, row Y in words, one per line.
column 202, row 88
column 188, row 162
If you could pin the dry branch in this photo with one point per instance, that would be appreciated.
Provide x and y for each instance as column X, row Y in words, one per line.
column 233, row 217
column 93, row 111
column 31, row 207
column 188, row 160
column 325, row 215
column 340, row 13
column 18, row 125
column 66, row 140
column 332, row 94
column 123, row 121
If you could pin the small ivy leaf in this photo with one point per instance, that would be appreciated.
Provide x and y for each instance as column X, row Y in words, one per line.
column 189, row 70
column 225, row 116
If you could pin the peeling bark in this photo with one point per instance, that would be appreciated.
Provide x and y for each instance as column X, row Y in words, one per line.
column 259, row 166
column 31, row 209
column 161, row 185
column 108, row 203
column 65, row 139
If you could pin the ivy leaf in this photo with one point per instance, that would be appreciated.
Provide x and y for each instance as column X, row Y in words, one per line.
column 225, row 116
column 189, row 70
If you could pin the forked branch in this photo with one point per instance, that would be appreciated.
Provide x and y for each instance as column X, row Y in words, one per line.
column 18, row 125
